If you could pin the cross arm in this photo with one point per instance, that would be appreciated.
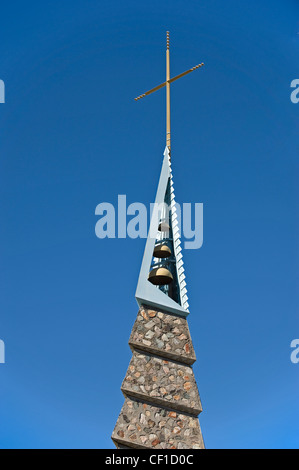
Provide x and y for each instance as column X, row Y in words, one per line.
column 169, row 81
column 185, row 73
column 150, row 91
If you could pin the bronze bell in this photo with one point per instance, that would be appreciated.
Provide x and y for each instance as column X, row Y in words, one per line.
column 161, row 250
column 160, row 277
column 163, row 227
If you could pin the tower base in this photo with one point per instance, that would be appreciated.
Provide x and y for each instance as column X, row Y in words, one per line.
column 161, row 396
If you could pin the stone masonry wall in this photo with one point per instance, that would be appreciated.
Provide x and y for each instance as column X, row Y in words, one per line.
column 161, row 396
column 162, row 334
column 162, row 382
column 141, row 425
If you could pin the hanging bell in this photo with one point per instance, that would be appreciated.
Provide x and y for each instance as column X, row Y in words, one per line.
column 160, row 277
column 163, row 227
column 162, row 250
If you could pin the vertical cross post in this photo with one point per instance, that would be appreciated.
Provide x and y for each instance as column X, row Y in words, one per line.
column 168, row 139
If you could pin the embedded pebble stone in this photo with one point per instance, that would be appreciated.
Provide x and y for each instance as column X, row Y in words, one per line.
column 163, row 333
column 176, row 430
column 161, row 396
column 152, row 379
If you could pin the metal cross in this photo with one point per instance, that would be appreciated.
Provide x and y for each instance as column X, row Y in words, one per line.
column 167, row 84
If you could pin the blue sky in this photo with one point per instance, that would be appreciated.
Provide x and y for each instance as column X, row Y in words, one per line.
column 71, row 136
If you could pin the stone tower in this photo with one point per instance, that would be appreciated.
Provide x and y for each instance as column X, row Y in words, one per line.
column 162, row 402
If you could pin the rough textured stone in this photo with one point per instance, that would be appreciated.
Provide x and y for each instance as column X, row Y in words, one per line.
column 163, row 334
column 165, row 383
column 161, row 396
column 159, row 429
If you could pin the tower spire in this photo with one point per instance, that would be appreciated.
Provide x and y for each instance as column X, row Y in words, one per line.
column 167, row 84
column 162, row 401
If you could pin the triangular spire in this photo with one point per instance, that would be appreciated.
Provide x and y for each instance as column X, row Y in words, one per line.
column 147, row 293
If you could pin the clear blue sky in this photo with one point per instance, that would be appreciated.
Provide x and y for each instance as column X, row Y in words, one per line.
column 71, row 136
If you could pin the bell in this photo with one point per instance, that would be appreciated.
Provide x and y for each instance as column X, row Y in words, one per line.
column 162, row 251
column 160, row 276
column 163, row 227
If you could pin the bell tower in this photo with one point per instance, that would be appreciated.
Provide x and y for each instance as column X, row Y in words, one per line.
column 162, row 401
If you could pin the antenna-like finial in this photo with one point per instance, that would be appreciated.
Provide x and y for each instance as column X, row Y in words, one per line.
column 167, row 39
